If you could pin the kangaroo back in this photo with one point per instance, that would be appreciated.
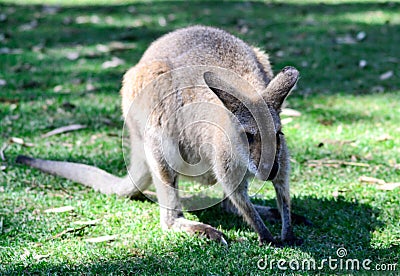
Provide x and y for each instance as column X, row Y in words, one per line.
column 199, row 45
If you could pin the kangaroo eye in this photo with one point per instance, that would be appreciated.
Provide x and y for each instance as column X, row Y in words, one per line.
column 250, row 137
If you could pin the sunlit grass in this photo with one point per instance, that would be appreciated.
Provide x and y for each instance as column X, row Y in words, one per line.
column 349, row 114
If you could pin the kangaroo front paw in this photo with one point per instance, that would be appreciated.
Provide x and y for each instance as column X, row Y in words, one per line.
column 211, row 233
column 200, row 229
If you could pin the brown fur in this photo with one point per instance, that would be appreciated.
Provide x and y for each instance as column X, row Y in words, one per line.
column 154, row 141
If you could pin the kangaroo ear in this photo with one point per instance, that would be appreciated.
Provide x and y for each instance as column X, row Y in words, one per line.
column 280, row 86
column 230, row 91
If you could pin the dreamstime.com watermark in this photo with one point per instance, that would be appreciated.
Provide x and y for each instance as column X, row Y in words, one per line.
column 339, row 262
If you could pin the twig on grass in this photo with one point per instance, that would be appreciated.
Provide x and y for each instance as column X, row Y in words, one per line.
column 63, row 130
column 106, row 238
column 334, row 163
column 2, row 150
column 69, row 230
column 382, row 184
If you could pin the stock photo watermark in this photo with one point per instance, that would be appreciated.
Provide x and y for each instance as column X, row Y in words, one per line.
column 336, row 263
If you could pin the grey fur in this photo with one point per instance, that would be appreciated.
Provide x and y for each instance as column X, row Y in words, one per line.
column 192, row 47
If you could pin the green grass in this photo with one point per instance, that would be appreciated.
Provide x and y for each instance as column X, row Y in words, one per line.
column 346, row 111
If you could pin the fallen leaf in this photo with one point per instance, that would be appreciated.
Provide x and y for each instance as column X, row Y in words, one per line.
column 67, row 20
column 362, row 63
column 40, row 257
column 28, row 26
column 102, row 48
column 304, row 63
column 384, row 137
column 361, row 36
column 132, row 9
column 114, row 62
column 5, row 50
column 386, row 75
column 51, row 10
column 347, row 39
column 19, row 209
column 280, row 53
column 57, row 88
column 162, row 21
column 3, row 17
column 339, row 129
column 369, row 179
column 60, row 209
column 95, row 19
column 102, row 239
column 21, row 142
column 63, row 130
column 116, row 46
column 389, row 186
column 90, row 87
column 286, row 121
column 82, row 19
column 72, row 55
column 310, row 20
column 290, row 112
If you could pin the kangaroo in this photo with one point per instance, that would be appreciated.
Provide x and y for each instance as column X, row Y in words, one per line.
column 208, row 76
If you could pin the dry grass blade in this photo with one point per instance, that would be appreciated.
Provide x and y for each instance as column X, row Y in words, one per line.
column 338, row 142
column 334, row 163
column 382, row 185
column 63, row 130
column 102, row 239
column 369, row 179
column 355, row 164
column 60, row 209
column 290, row 112
column 389, row 186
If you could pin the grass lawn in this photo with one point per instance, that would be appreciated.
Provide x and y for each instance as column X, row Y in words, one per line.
column 52, row 74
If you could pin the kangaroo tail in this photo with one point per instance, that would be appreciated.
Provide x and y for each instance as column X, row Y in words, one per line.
column 87, row 175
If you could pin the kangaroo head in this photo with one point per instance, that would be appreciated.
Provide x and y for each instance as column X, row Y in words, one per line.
column 246, row 104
